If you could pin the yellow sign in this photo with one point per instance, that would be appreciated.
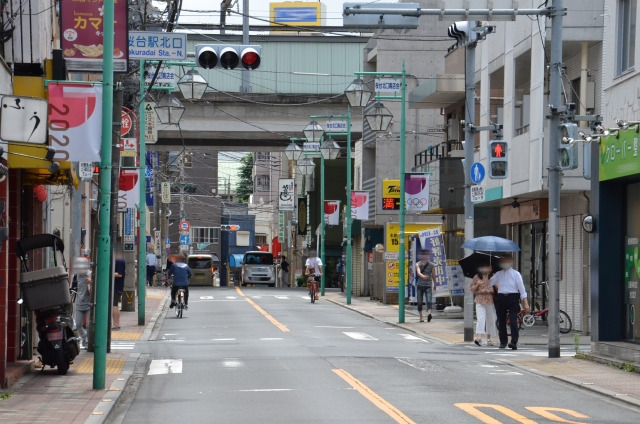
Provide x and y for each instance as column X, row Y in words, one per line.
column 392, row 240
column 297, row 13
column 392, row 274
column 391, row 189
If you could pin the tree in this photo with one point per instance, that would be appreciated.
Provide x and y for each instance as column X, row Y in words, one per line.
column 245, row 174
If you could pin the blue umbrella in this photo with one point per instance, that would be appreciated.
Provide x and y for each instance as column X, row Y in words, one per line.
column 491, row 244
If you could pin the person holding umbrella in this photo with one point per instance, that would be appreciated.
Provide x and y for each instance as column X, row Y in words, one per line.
column 485, row 310
column 510, row 291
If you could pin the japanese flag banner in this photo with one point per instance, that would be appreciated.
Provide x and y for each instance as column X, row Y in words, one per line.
column 75, row 121
column 128, row 189
column 360, row 205
column 332, row 212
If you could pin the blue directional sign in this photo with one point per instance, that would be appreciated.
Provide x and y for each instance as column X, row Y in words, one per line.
column 184, row 240
column 477, row 173
column 157, row 45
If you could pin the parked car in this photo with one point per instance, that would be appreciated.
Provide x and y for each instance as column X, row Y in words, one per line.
column 203, row 268
column 258, row 268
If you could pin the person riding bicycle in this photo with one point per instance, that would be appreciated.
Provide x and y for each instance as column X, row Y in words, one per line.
column 181, row 274
column 313, row 268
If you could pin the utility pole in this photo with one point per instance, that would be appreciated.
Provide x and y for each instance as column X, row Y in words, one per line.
column 245, row 88
column 182, row 214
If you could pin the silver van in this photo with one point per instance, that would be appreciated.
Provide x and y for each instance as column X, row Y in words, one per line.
column 258, row 268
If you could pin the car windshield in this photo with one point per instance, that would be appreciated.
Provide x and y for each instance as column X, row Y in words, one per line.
column 199, row 263
column 258, row 259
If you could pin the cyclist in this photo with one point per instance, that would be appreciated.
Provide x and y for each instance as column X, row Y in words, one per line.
column 181, row 274
column 313, row 268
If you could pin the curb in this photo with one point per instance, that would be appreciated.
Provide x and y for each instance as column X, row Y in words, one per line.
column 106, row 406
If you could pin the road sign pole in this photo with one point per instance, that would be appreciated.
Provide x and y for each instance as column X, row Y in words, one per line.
column 142, row 208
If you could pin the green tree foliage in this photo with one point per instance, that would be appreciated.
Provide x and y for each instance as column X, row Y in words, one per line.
column 245, row 184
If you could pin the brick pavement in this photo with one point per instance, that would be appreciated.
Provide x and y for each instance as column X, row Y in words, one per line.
column 46, row 397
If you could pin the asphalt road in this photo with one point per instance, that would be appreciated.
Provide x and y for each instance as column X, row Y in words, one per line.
column 263, row 355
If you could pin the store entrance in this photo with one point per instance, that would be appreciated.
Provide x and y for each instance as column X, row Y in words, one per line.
column 533, row 261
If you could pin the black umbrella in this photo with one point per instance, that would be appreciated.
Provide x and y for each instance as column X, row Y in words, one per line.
column 471, row 263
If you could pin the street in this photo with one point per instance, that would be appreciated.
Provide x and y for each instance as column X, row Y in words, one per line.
column 269, row 355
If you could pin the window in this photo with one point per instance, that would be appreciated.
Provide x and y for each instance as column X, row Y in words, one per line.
column 626, row 40
column 263, row 155
column 209, row 235
column 261, row 239
column 263, row 183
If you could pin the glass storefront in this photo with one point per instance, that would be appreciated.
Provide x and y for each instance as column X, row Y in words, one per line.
column 632, row 263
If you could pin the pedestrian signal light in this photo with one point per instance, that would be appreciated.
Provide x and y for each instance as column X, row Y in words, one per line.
column 568, row 148
column 228, row 56
column 498, row 159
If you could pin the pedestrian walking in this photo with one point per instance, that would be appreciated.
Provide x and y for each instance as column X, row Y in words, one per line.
column 118, row 289
column 284, row 271
column 426, row 274
column 152, row 264
column 485, row 308
column 510, row 291
column 81, row 285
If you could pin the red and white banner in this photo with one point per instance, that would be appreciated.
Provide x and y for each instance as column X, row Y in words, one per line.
column 75, row 121
column 416, row 192
column 360, row 205
column 332, row 212
column 128, row 189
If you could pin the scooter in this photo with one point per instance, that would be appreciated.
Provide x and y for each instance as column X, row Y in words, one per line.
column 46, row 292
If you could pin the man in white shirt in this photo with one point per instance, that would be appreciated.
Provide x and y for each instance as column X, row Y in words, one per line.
column 510, row 291
column 313, row 267
column 152, row 263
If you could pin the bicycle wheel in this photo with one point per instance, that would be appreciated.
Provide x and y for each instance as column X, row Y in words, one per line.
column 313, row 293
column 565, row 322
column 528, row 320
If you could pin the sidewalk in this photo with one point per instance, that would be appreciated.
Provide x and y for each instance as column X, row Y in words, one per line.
column 604, row 379
column 46, row 397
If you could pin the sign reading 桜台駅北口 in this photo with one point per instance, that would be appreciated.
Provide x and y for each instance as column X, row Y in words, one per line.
column 147, row 45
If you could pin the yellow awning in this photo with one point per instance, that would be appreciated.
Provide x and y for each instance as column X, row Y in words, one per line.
column 37, row 161
column 65, row 175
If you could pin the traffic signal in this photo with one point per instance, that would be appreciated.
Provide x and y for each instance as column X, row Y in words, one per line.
column 497, row 159
column 568, row 148
column 231, row 227
column 462, row 31
column 228, row 56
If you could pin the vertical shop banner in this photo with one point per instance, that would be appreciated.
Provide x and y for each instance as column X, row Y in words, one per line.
column 302, row 216
column 75, row 121
column 332, row 212
column 286, row 198
column 360, row 205
column 128, row 189
column 416, row 192
column 432, row 240
column 129, row 236
column 83, row 31
column 157, row 242
column 150, row 128
column 148, row 175
column 631, row 287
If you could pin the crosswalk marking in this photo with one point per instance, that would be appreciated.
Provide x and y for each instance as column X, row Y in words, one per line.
column 223, row 340
column 282, row 297
column 165, row 366
column 358, row 336
column 206, row 297
column 122, row 345
column 412, row 337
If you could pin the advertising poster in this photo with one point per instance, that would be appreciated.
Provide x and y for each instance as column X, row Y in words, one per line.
column 75, row 121
column 332, row 212
column 631, row 283
column 286, row 197
column 360, row 205
column 82, row 35
column 390, row 195
column 416, row 192
column 432, row 240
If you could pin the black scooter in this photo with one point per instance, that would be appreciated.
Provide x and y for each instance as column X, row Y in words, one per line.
column 46, row 292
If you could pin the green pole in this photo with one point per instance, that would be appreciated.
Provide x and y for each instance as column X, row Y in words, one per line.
column 348, row 214
column 104, row 239
column 322, row 238
column 142, row 243
column 401, row 252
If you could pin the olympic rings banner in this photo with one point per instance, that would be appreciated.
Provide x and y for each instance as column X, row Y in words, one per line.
column 416, row 192
column 360, row 205
column 332, row 212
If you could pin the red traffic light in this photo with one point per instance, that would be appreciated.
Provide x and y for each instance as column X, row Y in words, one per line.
column 498, row 149
column 250, row 58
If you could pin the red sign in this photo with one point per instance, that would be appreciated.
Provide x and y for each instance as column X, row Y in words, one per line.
column 184, row 225
column 83, row 31
column 127, row 124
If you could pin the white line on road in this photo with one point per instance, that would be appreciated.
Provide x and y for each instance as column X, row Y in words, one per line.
column 412, row 337
column 231, row 297
column 232, row 363
column 223, row 340
column 282, row 297
column 122, row 345
column 332, row 326
column 266, row 390
column 505, row 373
column 358, row 336
column 271, row 338
column 165, row 366
column 206, row 297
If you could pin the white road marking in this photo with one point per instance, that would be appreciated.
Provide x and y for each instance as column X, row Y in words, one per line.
column 206, row 297
column 118, row 345
column 255, row 297
column 358, row 336
column 232, row 363
column 165, row 366
column 170, row 334
column 271, row 338
column 223, row 340
column 505, row 373
column 282, row 297
column 231, row 297
column 412, row 337
column 332, row 326
column 266, row 390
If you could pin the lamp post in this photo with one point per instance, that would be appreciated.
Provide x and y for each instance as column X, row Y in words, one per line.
column 379, row 120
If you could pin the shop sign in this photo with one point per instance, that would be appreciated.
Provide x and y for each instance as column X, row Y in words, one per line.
column 286, row 198
column 23, row 120
column 619, row 155
column 390, row 195
column 392, row 234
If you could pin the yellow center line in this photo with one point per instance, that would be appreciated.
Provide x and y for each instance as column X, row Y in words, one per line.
column 374, row 398
column 239, row 290
column 267, row 316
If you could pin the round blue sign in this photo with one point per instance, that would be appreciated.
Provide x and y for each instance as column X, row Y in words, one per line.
column 184, row 239
column 477, row 172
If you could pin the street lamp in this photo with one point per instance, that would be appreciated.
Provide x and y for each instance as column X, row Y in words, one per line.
column 358, row 94
column 192, row 85
column 293, row 152
column 380, row 118
column 329, row 149
column 313, row 132
column 169, row 110
column 306, row 166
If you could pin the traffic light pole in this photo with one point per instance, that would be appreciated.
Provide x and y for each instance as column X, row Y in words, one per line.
column 142, row 209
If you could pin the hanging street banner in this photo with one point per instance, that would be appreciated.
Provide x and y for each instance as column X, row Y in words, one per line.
column 416, row 192
column 619, row 155
column 129, row 189
column 360, row 205
column 148, row 175
column 286, row 196
column 280, row 227
column 390, row 195
column 332, row 212
column 82, row 35
column 157, row 242
column 302, row 216
column 150, row 127
column 129, row 236
column 150, row 45
column 75, row 121
column 431, row 239
column 23, row 120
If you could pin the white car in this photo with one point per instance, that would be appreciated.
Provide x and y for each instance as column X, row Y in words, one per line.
column 258, row 268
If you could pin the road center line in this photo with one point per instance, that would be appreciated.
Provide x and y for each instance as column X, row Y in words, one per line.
column 239, row 290
column 374, row 398
column 266, row 315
